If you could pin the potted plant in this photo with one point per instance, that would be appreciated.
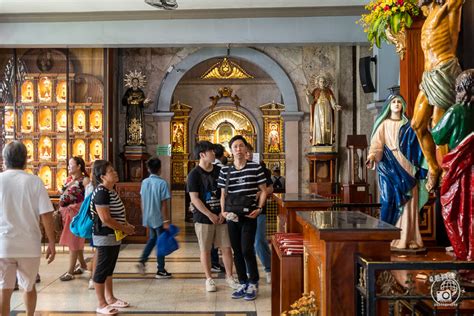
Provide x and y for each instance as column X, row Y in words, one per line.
column 387, row 20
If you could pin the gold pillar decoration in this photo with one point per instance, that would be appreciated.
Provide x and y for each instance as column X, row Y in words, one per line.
column 273, row 136
column 179, row 144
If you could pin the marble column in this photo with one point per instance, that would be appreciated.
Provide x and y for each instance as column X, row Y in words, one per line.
column 292, row 150
column 164, row 136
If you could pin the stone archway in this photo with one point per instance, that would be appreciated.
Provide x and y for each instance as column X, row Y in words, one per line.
column 291, row 115
column 271, row 67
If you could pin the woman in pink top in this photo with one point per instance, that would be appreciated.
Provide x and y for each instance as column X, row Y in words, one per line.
column 70, row 202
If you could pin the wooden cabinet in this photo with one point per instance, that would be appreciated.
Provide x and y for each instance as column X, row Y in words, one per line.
column 129, row 193
column 289, row 203
column 287, row 279
column 331, row 240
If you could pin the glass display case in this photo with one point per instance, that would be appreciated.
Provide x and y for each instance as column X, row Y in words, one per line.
column 56, row 110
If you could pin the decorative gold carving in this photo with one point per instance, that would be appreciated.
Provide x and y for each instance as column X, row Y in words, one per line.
column 79, row 121
column 387, row 284
column 177, row 138
column 135, row 132
column 362, row 278
column 135, row 74
column 30, row 149
column 45, row 148
column 61, row 121
column 44, row 89
column 9, row 120
column 61, row 91
column 79, row 148
column 61, row 150
column 225, row 92
column 46, row 175
column 95, row 150
column 95, row 121
column 45, row 119
column 61, row 177
column 27, row 92
column 27, row 122
column 226, row 69
column 218, row 125
column 399, row 40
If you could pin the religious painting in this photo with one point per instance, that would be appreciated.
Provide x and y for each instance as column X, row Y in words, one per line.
column 95, row 149
column 9, row 120
column 30, row 149
column 95, row 121
column 45, row 148
column 79, row 121
column 44, row 89
column 61, row 150
column 61, row 91
column 61, row 121
column 178, row 137
column 225, row 132
column 79, row 148
column 27, row 92
column 61, row 177
column 45, row 174
column 27, row 122
column 274, row 138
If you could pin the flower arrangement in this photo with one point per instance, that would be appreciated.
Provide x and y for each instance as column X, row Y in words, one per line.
column 394, row 14
column 304, row 306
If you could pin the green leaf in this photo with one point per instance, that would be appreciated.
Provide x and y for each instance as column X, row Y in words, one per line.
column 409, row 20
column 377, row 41
column 396, row 23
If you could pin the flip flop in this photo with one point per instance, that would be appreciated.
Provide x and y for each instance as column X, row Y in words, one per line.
column 107, row 310
column 119, row 304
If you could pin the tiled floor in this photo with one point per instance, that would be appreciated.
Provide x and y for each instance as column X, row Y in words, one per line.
column 182, row 295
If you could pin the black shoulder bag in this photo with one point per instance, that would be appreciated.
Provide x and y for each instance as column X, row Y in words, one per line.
column 238, row 204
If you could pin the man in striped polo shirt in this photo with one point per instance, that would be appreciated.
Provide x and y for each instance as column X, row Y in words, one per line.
column 239, row 185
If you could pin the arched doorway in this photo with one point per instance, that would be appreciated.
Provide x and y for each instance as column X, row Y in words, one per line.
column 220, row 126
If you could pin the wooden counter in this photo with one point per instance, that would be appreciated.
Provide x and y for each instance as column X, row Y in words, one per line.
column 287, row 279
column 331, row 239
column 289, row 203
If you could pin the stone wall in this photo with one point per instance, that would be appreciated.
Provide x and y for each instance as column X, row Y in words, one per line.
column 299, row 62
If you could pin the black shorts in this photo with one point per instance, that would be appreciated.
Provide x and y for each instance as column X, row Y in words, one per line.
column 106, row 259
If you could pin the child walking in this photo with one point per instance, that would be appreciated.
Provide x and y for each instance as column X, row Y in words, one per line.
column 154, row 195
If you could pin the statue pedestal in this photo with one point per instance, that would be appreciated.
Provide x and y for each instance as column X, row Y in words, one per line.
column 135, row 169
column 322, row 173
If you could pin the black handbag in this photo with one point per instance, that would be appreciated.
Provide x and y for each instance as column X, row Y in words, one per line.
column 239, row 204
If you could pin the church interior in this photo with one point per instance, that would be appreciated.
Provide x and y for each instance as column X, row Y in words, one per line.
column 313, row 87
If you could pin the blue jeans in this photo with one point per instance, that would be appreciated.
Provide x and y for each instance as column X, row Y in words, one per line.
column 261, row 243
column 151, row 243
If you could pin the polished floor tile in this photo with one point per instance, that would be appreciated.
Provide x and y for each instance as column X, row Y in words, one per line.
column 184, row 294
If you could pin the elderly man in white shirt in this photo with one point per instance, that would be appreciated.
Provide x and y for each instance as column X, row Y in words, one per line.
column 23, row 200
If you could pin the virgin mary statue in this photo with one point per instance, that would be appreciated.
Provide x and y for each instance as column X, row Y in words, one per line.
column 395, row 149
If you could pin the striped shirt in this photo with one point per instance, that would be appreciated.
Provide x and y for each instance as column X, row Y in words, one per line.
column 103, row 197
column 244, row 181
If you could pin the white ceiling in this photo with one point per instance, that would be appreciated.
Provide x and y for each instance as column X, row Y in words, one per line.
column 55, row 6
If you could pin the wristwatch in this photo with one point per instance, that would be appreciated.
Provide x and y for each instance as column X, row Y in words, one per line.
column 260, row 208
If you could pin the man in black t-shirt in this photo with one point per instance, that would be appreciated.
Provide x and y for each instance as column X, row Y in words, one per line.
column 208, row 221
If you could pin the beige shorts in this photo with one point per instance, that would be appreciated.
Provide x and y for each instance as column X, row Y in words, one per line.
column 209, row 234
column 25, row 269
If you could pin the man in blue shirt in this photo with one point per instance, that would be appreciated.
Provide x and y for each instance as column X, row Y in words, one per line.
column 154, row 195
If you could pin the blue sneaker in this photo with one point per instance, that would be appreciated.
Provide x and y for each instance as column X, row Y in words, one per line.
column 240, row 292
column 251, row 292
